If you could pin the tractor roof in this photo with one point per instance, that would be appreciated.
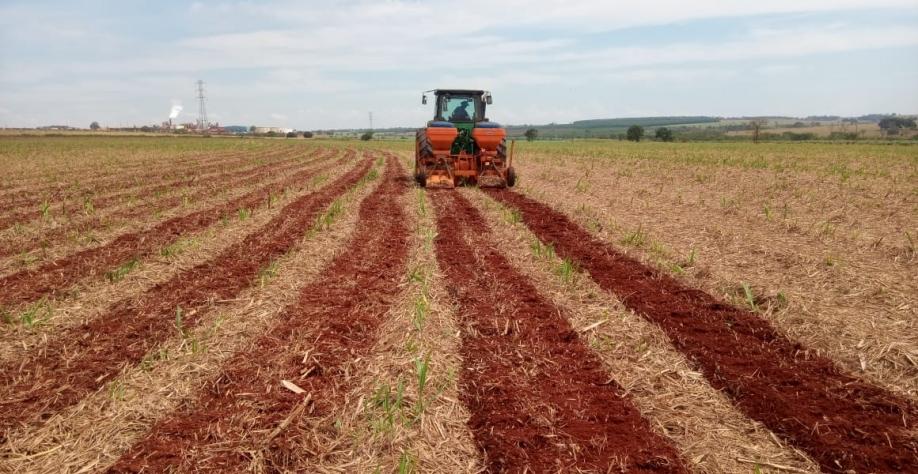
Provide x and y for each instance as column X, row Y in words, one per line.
column 458, row 91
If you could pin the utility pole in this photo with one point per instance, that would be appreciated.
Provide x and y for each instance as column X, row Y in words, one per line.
column 202, row 108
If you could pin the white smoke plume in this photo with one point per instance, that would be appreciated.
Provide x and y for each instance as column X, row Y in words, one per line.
column 176, row 108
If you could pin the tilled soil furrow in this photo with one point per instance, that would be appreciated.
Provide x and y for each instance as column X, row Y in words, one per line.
column 82, row 359
column 123, row 180
column 539, row 398
column 424, row 423
column 91, row 174
column 854, row 305
column 312, row 345
column 230, row 170
column 148, row 201
column 30, row 285
column 94, row 433
column 92, row 297
column 839, row 420
column 710, row 433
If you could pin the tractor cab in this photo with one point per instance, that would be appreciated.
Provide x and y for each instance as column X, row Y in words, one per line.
column 459, row 107
column 462, row 110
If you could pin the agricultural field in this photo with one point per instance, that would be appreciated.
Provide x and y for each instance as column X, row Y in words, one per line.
column 262, row 305
column 863, row 130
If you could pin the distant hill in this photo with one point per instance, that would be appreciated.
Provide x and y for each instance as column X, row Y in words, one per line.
column 607, row 128
column 642, row 121
column 694, row 127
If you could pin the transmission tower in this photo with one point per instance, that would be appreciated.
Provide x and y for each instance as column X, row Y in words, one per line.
column 202, row 108
column 371, row 121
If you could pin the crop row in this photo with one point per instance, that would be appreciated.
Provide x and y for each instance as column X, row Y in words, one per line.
column 152, row 202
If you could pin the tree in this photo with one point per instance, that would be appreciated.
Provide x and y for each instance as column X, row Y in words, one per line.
column 367, row 136
column 664, row 134
column 531, row 134
column 252, row 129
column 891, row 125
column 756, row 126
column 307, row 135
column 634, row 133
column 291, row 134
column 854, row 122
column 94, row 126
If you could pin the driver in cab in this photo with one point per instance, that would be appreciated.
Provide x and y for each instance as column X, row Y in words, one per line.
column 461, row 114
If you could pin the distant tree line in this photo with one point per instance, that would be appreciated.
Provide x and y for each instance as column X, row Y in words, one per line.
column 891, row 125
column 641, row 121
column 760, row 127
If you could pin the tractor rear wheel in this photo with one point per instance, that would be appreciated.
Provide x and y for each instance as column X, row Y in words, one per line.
column 423, row 152
column 502, row 155
column 422, row 145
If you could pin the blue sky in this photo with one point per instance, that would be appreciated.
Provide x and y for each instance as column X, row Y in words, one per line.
column 312, row 65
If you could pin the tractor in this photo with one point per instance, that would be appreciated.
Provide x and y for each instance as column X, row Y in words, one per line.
column 460, row 146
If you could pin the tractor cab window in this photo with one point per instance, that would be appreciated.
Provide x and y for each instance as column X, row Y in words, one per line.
column 459, row 109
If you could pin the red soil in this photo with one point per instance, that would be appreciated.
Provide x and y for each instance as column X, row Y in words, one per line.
column 839, row 420
column 80, row 360
column 202, row 186
column 340, row 313
column 187, row 178
column 539, row 398
column 30, row 285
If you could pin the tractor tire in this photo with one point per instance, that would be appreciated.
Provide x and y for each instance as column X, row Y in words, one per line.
column 423, row 149
column 502, row 150
column 423, row 146
column 421, row 178
column 502, row 154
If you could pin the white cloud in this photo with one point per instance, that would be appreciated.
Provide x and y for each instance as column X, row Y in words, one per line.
column 670, row 74
column 329, row 65
column 777, row 69
column 787, row 44
column 478, row 15
column 292, row 60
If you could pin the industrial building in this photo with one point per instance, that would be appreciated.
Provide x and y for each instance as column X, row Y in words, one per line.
column 277, row 130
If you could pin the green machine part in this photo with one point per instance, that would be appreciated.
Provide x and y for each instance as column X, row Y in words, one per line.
column 464, row 141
